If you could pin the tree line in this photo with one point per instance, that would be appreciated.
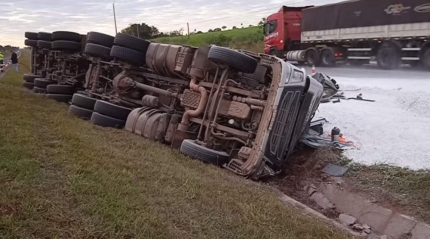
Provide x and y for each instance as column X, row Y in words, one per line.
column 144, row 31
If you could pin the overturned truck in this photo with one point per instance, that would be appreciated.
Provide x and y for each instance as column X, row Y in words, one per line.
column 236, row 109
column 241, row 110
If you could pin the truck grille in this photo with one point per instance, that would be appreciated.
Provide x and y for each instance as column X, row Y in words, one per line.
column 283, row 126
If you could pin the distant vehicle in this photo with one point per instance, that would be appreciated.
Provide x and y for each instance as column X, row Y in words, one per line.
column 390, row 31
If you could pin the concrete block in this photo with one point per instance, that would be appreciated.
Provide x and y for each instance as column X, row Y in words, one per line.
column 322, row 201
column 399, row 226
column 421, row 231
column 366, row 212
column 347, row 219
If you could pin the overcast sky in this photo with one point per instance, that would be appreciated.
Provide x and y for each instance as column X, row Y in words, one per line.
column 18, row 16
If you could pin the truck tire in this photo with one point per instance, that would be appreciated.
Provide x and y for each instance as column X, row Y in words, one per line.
column 30, row 77
column 28, row 85
column 66, row 36
column 327, row 58
column 128, row 55
column 32, row 43
column 111, row 110
column 388, row 58
column 45, row 36
column 196, row 151
column 131, row 42
column 235, row 59
column 106, row 121
column 59, row 97
column 312, row 57
column 60, row 89
column 43, row 83
column 39, row 90
column 426, row 59
column 100, row 39
column 66, row 46
column 32, row 35
column 80, row 112
column 44, row 44
column 95, row 50
column 84, row 101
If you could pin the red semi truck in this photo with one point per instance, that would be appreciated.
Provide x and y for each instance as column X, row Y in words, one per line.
column 391, row 32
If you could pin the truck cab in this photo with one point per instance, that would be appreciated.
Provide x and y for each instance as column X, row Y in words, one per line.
column 282, row 31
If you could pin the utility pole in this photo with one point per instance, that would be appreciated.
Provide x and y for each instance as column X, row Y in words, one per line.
column 114, row 17
column 188, row 26
column 138, row 34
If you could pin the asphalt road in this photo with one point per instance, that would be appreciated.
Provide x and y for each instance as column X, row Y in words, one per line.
column 371, row 71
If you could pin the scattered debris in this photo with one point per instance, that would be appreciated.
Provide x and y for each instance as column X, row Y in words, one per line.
column 335, row 170
column 357, row 227
column 367, row 231
column 347, row 219
column 360, row 97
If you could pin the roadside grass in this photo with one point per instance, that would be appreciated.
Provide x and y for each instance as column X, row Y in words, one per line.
column 250, row 38
column 61, row 177
column 395, row 186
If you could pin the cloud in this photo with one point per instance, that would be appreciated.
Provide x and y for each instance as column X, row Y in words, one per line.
column 19, row 16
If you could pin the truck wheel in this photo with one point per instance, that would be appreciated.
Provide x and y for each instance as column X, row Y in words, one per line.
column 44, row 44
column 100, row 39
column 109, row 109
column 426, row 59
column 106, row 121
column 45, row 36
column 32, row 43
column 61, row 89
column 95, row 50
column 66, row 46
column 28, row 85
column 83, row 101
column 131, row 42
column 327, row 58
column 39, row 90
column 32, row 35
column 43, row 83
column 196, row 151
column 30, row 77
column 312, row 57
column 388, row 58
column 127, row 55
column 59, row 97
column 235, row 59
column 80, row 112
column 66, row 36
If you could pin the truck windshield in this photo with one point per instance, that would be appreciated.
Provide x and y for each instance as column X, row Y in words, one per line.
column 270, row 27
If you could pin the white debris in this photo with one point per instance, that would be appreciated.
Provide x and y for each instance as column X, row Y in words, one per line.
column 394, row 130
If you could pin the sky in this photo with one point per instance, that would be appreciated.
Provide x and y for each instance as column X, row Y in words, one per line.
column 19, row 16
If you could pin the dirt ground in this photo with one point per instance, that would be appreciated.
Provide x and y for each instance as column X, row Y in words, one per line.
column 401, row 190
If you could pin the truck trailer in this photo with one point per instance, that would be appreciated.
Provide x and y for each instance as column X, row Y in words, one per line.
column 392, row 32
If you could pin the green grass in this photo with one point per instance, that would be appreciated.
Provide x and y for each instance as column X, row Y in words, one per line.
column 61, row 177
column 401, row 188
column 250, row 38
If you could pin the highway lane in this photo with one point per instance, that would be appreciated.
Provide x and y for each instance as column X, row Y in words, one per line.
column 372, row 71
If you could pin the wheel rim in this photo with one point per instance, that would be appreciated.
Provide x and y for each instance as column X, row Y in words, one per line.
column 311, row 57
column 327, row 58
